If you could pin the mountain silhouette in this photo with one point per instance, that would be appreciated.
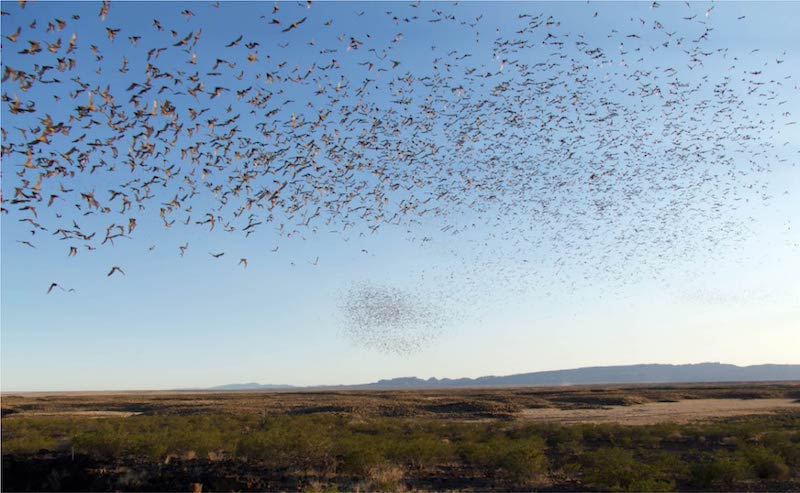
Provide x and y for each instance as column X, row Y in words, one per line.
column 625, row 374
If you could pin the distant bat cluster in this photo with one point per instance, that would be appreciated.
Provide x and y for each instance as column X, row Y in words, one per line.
column 389, row 319
column 553, row 141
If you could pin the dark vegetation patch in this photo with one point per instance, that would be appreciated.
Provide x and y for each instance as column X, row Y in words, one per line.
column 321, row 409
column 602, row 400
column 477, row 408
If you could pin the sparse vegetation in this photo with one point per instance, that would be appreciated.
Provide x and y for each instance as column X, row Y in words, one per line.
column 391, row 441
column 329, row 451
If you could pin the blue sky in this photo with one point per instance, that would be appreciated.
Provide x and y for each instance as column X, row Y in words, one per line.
column 508, row 306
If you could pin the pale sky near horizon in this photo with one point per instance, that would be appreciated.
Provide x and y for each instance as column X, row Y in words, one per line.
column 195, row 321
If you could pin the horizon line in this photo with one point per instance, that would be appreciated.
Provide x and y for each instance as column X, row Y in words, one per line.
column 289, row 387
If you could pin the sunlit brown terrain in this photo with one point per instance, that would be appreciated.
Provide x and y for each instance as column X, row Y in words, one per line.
column 569, row 404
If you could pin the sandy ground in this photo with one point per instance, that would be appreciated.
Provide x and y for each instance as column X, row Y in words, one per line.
column 661, row 412
column 85, row 414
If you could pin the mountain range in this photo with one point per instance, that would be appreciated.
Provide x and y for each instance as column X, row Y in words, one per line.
column 627, row 374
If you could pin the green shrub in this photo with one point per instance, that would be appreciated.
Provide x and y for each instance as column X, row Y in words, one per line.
column 651, row 484
column 766, row 463
column 422, row 451
column 28, row 444
column 721, row 469
column 284, row 445
column 786, row 444
column 520, row 460
column 610, row 469
column 617, row 469
column 359, row 454
column 523, row 461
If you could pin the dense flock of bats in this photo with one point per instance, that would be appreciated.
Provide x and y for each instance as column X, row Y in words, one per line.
column 390, row 319
column 555, row 141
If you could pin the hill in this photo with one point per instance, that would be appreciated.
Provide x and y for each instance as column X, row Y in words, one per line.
column 625, row 374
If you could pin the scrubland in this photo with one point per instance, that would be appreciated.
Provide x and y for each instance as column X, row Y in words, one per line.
column 399, row 440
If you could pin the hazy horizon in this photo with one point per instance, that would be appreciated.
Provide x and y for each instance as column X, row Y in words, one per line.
column 375, row 380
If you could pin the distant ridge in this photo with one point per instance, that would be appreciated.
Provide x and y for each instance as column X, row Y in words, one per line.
column 628, row 374
column 251, row 386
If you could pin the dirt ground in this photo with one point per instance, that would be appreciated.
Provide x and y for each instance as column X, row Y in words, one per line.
column 659, row 412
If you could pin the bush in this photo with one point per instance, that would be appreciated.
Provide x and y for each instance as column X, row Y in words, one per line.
column 616, row 469
column 104, row 441
column 523, row 461
column 723, row 469
column 29, row 444
column 359, row 454
column 766, row 463
column 520, row 460
column 385, row 478
column 297, row 445
column 787, row 445
column 610, row 468
column 422, row 451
